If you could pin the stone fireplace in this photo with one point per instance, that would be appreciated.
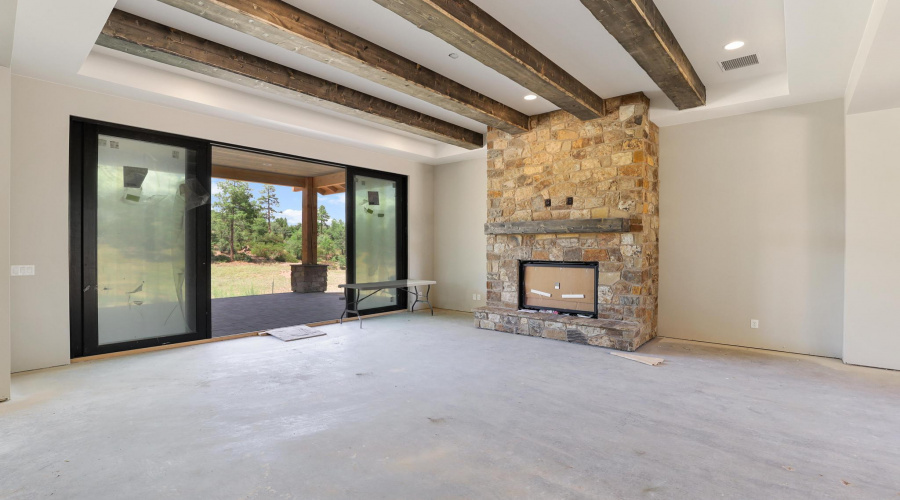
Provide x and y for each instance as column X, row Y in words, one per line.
column 572, row 191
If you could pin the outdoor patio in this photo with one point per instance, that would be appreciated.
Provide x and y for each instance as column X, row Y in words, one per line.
column 254, row 313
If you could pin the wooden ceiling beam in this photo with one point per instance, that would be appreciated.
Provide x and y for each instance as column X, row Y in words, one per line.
column 640, row 28
column 286, row 26
column 134, row 35
column 470, row 29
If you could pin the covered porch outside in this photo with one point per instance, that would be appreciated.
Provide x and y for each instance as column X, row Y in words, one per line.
column 311, row 299
column 254, row 313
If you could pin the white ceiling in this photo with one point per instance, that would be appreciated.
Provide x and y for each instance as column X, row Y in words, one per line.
column 875, row 81
column 806, row 49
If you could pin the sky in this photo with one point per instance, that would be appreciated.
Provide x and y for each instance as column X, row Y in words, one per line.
column 290, row 203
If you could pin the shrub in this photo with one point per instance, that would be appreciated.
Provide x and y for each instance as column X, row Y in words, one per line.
column 270, row 251
column 294, row 245
column 264, row 250
column 284, row 256
column 221, row 258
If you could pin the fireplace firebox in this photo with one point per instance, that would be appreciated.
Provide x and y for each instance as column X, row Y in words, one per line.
column 563, row 287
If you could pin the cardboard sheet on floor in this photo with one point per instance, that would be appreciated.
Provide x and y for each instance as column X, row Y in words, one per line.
column 295, row 333
column 647, row 360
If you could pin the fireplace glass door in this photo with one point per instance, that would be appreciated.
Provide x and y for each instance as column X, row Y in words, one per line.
column 567, row 287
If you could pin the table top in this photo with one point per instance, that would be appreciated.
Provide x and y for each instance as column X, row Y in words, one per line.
column 378, row 285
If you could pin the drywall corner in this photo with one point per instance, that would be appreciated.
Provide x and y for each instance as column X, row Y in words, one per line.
column 871, row 273
column 5, row 167
column 460, row 212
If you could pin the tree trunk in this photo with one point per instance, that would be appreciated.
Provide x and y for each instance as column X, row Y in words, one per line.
column 231, row 236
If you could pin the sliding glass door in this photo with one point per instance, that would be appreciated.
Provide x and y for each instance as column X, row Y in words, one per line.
column 376, row 209
column 140, row 237
column 144, row 232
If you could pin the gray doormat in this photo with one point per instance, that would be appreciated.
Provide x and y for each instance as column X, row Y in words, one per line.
column 295, row 333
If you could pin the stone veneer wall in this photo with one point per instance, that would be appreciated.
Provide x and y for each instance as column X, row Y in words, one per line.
column 609, row 167
column 309, row 278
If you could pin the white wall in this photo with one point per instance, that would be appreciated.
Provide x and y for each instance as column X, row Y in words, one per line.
column 752, row 227
column 460, row 201
column 872, row 273
column 5, row 112
column 41, row 110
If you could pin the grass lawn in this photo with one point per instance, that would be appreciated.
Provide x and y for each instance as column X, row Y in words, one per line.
column 238, row 279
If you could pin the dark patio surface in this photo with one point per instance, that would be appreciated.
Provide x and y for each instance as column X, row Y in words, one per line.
column 261, row 312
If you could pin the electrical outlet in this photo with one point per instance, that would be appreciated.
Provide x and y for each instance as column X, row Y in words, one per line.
column 754, row 323
column 21, row 271
column 476, row 296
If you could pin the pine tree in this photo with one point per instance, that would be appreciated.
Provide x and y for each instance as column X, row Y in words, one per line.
column 323, row 218
column 268, row 204
column 235, row 211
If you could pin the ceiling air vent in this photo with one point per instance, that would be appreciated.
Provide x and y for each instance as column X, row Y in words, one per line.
column 740, row 62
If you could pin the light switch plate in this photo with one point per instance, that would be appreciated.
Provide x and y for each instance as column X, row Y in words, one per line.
column 21, row 271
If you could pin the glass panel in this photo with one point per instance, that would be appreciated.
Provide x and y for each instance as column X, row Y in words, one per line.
column 376, row 236
column 141, row 258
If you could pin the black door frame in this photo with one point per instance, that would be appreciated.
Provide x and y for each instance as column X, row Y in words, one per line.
column 83, row 135
column 79, row 156
column 402, row 230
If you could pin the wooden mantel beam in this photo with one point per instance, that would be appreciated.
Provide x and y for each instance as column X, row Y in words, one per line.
column 467, row 27
column 134, row 35
column 641, row 30
column 286, row 26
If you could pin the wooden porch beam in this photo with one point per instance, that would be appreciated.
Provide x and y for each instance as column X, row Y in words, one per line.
column 286, row 26
column 309, row 223
column 331, row 179
column 641, row 30
column 467, row 27
column 246, row 175
column 134, row 35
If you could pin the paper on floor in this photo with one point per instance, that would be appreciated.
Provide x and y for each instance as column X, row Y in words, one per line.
column 647, row 360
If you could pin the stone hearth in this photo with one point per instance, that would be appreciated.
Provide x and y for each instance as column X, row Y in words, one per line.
column 598, row 332
column 600, row 178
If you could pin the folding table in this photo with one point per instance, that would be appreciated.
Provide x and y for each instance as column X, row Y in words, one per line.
column 352, row 292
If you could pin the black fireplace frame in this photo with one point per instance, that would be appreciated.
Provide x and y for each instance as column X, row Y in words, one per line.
column 546, row 263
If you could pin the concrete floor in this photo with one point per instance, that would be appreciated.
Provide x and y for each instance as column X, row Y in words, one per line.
column 420, row 407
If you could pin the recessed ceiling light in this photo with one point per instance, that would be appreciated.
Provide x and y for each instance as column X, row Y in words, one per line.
column 530, row 97
column 734, row 45
column 454, row 55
